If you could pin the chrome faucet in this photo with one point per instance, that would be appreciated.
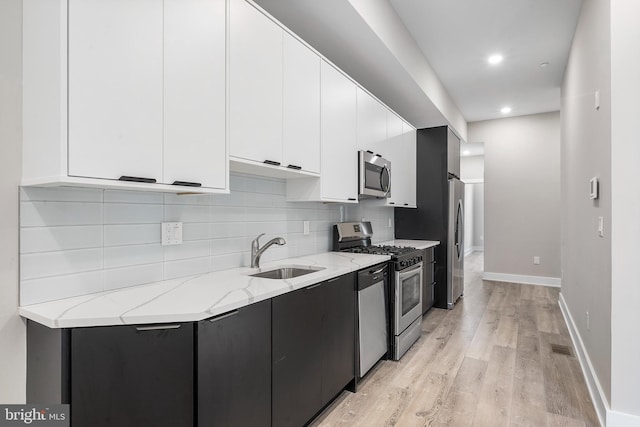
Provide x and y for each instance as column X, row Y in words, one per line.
column 257, row 251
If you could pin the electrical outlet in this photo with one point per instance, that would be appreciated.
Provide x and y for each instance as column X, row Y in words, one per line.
column 390, row 223
column 586, row 316
column 305, row 226
column 536, row 260
column 171, row 233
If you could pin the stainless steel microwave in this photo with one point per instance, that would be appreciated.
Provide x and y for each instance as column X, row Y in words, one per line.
column 374, row 175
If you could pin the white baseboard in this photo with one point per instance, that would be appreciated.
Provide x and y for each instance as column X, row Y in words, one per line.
column 595, row 390
column 620, row 419
column 468, row 252
column 478, row 249
column 527, row 280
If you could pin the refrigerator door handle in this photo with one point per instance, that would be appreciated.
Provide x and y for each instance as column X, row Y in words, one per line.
column 459, row 230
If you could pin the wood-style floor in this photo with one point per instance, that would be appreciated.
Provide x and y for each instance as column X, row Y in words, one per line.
column 488, row 362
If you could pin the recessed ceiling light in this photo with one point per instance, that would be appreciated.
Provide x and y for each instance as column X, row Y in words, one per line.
column 466, row 152
column 505, row 110
column 495, row 59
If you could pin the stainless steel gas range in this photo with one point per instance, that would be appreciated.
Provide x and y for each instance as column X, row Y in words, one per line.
column 405, row 290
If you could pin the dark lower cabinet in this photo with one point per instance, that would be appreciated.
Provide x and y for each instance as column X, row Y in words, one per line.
column 338, row 335
column 234, row 368
column 132, row 376
column 313, row 349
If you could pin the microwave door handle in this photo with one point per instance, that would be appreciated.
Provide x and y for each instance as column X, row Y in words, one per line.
column 385, row 172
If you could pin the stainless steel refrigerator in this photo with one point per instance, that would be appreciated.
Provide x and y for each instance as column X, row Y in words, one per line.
column 440, row 212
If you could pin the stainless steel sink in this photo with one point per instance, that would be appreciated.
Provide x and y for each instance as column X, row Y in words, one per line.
column 287, row 272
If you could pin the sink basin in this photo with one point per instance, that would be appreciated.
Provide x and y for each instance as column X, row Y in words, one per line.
column 286, row 272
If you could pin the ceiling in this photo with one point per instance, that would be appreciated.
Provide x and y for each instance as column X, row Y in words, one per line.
column 457, row 37
column 427, row 59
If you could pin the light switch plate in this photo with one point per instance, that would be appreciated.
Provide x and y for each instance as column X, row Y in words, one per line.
column 171, row 233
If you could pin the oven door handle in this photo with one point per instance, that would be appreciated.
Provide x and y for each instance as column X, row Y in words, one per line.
column 417, row 267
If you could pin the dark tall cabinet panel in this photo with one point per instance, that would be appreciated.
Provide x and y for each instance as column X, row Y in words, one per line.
column 313, row 349
column 132, row 376
column 234, row 368
column 438, row 159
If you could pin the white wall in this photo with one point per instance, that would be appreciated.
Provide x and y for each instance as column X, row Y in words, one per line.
column 522, row 195
column 625, row 210
column 12, row 330
column 478, row 217
column 472, row 168
column 76, row 241
column 586, row 152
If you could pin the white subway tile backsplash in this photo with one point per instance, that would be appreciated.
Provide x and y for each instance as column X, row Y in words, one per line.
column 116, row 213
column 134, row 234
column 130, row 276
column 51, row 214
column 193, row 249
column 46, row 239
column 233, row 245
column 47, row 264
column 62, row 194
column 117, row 196
column 57, row 287
column 67, row 231
column 187, row 213
column 188, row 199
column 186, row 267
column 126, row 256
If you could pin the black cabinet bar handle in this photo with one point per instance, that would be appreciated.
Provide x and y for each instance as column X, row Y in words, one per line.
column 137, row 179
column 351, row 198
column 224, row 316
column 392, row 203
column 157, row 327
column 406, row 204
column 187, row 183
column 294, row 167
column 272, row 162
column 314, row 286
column 369, row 151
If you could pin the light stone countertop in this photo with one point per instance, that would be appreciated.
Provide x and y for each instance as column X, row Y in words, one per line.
column 191, row 298
column 418, row 244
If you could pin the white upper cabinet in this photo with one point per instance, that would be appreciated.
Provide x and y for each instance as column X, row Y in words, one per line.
column 402, row 143
column 392, row 150
column 301, row 106
column 372, row 123
column 255, row 84
column 274, row 97
column 194, row 92
column 115, row 88
column 125, row 88
column 339, row 176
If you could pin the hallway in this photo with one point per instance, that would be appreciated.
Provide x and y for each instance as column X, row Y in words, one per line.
column 488, row 362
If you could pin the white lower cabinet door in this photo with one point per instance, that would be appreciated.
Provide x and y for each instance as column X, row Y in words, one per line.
column 339, row 175
column 115, row 88
column 194, row 93
column 301, row 106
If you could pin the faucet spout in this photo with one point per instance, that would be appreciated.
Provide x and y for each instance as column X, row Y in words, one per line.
column 257, row 251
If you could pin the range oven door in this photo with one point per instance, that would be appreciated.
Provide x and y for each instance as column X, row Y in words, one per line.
column 408, row 297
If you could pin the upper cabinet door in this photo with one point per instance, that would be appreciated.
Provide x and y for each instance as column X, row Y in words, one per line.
column 301, row 109
column 339, row 175
column 372, row 124
column 393, row 151
column 255, row 84
column 453, row 153
column 115, row 88
column 409, row 164
column 194, row 92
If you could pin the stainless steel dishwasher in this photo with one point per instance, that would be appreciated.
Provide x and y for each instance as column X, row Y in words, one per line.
column 373, row 319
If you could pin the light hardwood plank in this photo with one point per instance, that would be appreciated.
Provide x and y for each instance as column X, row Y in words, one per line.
column 487, row 362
